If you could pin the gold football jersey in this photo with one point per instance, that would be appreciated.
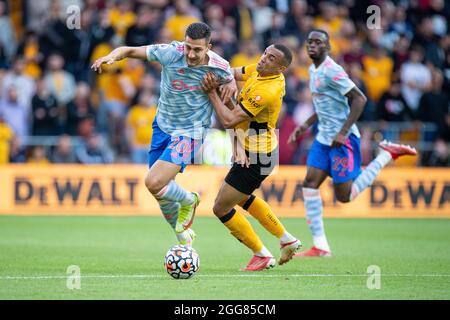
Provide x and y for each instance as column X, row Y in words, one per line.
column 261, row 98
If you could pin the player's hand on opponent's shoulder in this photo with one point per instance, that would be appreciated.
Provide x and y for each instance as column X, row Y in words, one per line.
column 228, row 91
column 210, row 82
column 298, row 131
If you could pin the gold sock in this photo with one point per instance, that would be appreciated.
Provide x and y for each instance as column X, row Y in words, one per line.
column 262, row 212
column 242, row 230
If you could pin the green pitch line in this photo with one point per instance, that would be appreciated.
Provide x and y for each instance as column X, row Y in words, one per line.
column 122, row 258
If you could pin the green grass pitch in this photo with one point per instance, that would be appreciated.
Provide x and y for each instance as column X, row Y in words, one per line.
column 122, row 258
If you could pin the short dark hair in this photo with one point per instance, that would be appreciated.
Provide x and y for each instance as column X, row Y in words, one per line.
column 321, row 31
column 199, row 30
column 286, row 53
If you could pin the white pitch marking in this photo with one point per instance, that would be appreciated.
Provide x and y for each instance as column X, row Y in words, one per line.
column 163, row 276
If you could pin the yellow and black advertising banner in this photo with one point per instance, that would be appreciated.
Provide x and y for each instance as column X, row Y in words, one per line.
column 120, row 190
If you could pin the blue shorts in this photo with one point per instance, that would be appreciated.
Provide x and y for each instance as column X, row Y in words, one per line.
column 342, row 164
column 178, row 150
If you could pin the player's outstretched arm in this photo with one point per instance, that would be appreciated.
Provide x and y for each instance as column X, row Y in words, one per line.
column 358, row 101
column 119, row 54
column 229, row 117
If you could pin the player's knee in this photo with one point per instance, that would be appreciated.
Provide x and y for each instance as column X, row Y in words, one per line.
column 153, row 184
column 344, row 198
column 310, row 183
column 219, row 209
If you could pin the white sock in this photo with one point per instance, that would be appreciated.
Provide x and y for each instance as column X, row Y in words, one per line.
column 287, row 237
column 314, row 208
column 321, row 243
column 263, row 253
column 383, row 158
column 174, row 192
column 170, row 211
column 368, row 175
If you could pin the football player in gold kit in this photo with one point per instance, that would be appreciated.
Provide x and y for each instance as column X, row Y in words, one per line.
column 253, row 118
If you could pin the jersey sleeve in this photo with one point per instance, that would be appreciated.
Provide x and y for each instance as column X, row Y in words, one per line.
column 248, row 70
column 165, row 53
column 256, row 102
column 220, row 67
column 339, row 80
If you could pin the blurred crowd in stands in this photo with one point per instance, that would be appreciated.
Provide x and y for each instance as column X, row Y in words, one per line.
column 54, row 109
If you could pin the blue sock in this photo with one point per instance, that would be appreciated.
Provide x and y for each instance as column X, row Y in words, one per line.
column 368, row 175
column 314, row 208
column 173, row 192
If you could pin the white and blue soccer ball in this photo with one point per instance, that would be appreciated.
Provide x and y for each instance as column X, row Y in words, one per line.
column 181, row 261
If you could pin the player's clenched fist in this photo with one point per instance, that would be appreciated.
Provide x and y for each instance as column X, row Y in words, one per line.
column 210, row 82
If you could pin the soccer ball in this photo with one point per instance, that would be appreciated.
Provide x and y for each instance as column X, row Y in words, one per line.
column 181, row 261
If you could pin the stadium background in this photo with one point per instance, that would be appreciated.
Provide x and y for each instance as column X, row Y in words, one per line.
column 55, row 110
column 73, row 148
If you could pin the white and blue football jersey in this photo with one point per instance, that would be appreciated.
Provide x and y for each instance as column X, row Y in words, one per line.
column 183, row 108
column 329, row 84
